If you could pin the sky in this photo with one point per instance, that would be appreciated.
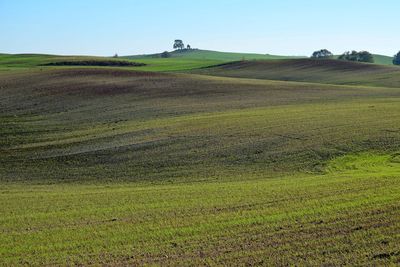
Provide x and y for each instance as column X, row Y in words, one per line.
column 128, row 27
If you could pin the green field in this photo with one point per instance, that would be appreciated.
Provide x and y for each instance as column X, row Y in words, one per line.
column 213, row 55
column 181, row 162
column 8, row 62
column 383, row 60
column 230, row 56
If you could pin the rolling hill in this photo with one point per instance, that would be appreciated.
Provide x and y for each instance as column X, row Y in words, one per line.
column 286, row 162
column 383, row 60
column 213, row 55
column 230, row 56
column 309, row 70
column 8, row 61
column 379, row 59
column 179, row 61
column 196, row 120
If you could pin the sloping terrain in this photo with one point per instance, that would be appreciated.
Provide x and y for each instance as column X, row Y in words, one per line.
column 111, row 166
column 310, row 70
column 28, row 61
column 232, row 56
column 119, row 124
column 383, row 60
column 9, row 62
column 348, row 217
column 212, row 55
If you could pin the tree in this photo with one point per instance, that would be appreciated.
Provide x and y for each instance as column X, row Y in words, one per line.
column 115, row 55
column 363, row 56
column 165, row 54
column 178, row 44
column 349, row 56
column 188, row 47
column 396, row 59
column 323, row 53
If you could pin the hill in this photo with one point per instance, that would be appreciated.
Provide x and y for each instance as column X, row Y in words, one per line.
column 41, row 60
column 310, row 70
column 152, row 163
column 116, row 166
column 230, row 56
column 114, row 112
column 383, row 60
column 212, row 55
column 8, row 61
column 179, row 61
column 379, row 59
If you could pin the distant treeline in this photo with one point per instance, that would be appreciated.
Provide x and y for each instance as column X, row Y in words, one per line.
column 111, row 63
column 362, row 56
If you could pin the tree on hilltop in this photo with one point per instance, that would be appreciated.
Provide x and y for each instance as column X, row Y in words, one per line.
column 178, row 44
column 323, row 53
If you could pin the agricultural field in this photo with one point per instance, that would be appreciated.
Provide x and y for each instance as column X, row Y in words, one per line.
column 309, row 70
column 27, row 61
column 230, row 56
column 199, row 161
column 213, row 55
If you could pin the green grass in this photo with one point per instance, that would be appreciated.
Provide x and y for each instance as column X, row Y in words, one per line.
column 343, row 217
column 175, row 64
column 230, row 56
column 214, row 55
column 383, row 60
column 27, row 61
column 111, row 166
column 33, row 60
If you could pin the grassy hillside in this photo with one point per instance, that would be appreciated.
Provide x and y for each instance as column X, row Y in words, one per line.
column 112, row 166
column 180, row 61
column 383, row 60
column 230, row 56
column 310, row 70
column 8, row 61
column 213, row 55
column 33, row 60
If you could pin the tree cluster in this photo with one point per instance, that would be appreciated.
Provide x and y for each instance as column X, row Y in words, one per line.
column 396, row 59
column 179, row 45
column 362, row 56
column 320, row 54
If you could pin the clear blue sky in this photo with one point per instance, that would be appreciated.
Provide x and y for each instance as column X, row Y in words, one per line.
column 289, row 27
